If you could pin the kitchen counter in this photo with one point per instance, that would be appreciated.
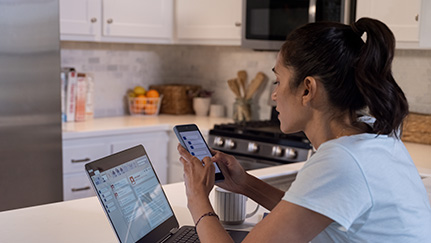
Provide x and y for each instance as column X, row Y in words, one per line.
column 83, row 220
column 137, row 123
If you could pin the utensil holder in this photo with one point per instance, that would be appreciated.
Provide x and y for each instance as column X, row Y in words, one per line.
column 242, row 110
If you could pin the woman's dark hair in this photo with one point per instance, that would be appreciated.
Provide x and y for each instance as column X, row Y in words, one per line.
column 355, row 74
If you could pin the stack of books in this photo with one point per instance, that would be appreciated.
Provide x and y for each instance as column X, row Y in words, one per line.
column 76, row 95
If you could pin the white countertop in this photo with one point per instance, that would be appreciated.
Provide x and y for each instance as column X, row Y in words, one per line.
column 121, row 124
column 83, row 220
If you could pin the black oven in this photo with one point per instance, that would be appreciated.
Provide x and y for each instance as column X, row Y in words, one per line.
column 267, row 23
column 260, row 144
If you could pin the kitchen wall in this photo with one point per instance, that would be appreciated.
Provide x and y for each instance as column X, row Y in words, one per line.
column 118, row 67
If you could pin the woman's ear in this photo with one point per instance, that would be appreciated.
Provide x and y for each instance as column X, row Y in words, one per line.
column 310, row 88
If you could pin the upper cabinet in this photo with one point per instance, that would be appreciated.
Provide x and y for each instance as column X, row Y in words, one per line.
column 80, row 20
column 407, row 19
column 134, row 21
column 149, row 21
column 208, row 21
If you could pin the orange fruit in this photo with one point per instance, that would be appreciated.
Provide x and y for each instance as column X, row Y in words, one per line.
column 151, row 109
column 152, row 93
column 139, row 102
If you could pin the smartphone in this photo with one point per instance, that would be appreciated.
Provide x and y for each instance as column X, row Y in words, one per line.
column 192, row 140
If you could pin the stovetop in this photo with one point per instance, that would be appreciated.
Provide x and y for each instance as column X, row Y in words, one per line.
column 267, row 131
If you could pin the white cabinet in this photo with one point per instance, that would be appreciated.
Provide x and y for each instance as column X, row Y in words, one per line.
column 148, row 21
column 134, row 21
column 76, row 153
column 88, row 147
column 80, row 19
column 406, row 19
column 208, row 21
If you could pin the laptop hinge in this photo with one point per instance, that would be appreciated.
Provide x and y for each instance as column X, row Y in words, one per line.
column 171, row 232
column 174, row 230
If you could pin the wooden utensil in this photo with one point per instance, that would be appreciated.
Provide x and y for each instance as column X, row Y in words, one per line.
column 233, row 85
column 254, row 85
column 242, row 80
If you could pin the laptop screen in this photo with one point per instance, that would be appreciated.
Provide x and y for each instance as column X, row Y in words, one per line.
column 131, row 194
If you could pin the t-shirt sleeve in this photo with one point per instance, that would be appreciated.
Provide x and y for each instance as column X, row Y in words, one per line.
column 333, row 184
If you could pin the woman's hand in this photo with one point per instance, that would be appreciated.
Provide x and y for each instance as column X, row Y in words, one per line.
column 199, row 178
column 235, row 175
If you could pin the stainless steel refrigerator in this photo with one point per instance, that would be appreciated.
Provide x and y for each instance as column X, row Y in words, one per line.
column 30, row 106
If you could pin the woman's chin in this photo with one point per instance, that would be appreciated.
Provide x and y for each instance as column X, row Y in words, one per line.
column 287, row 129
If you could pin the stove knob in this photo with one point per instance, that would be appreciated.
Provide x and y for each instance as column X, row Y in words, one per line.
column 230, row 144
column 218, row 141
column 277, row 151
column 290, row 153
column 253, row 147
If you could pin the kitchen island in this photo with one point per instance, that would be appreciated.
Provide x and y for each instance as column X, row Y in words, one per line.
column 83, row 220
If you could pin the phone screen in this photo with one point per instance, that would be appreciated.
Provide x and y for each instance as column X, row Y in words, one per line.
column 191, row 139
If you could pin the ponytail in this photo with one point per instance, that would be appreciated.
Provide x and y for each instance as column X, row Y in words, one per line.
column 373, row 76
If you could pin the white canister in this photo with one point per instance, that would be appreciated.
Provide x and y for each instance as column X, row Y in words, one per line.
column 217, row 110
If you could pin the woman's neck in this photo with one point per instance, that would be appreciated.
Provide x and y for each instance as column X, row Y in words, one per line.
column 323, row 128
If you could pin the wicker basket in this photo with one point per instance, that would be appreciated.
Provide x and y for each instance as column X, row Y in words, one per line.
column 417, row 128
column 175, row 98
column 144, row 106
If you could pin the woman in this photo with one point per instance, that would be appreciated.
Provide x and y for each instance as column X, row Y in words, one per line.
column 361, row 184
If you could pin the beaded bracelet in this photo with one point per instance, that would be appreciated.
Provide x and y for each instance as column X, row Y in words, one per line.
column 204, row 215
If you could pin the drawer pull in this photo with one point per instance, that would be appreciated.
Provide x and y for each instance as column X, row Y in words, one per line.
column 80, row 189
column 80, row 160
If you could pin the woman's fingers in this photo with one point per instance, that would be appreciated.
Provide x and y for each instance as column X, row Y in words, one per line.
column 184, row 153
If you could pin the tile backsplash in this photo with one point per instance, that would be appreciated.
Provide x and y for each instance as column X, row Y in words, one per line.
column 118, row 67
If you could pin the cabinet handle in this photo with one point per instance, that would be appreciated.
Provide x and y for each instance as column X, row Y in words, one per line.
column 93, row 20
column 80, row 160
column 80, row 189
column 237, row 24
column 109, row 21
column 417, row 17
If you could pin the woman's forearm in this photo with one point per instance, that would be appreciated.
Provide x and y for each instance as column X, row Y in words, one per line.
column 261, row 192
column 209, row 227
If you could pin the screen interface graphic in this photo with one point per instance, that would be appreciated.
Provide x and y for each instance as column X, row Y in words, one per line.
column 196, row 145
column 133, row 198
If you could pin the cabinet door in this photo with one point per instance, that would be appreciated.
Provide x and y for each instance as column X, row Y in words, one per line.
column 76, row 185
column 138, row 18
column 80, row 19
column 156, row 146
column 208, row 20
column 77, row 154
column 401, row 16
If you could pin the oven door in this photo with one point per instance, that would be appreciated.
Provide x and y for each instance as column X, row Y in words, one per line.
column 252, row 164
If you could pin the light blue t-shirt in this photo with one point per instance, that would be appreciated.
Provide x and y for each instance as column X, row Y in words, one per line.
column 369, row 186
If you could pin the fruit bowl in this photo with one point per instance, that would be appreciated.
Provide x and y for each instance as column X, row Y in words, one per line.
column 147, row 106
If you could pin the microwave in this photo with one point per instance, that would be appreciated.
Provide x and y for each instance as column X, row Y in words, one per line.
column 266, row 23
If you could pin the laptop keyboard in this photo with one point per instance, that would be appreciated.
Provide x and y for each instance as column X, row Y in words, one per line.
column 187, row 236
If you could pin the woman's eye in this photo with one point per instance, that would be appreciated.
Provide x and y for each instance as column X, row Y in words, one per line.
column 276, row 82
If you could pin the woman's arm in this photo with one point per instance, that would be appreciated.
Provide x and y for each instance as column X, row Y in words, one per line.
column 287, row 222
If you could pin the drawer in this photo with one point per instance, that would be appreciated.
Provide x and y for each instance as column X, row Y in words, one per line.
column 76, row 185
column 76, row 156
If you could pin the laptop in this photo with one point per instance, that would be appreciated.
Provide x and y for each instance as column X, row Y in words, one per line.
column 134, row 201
